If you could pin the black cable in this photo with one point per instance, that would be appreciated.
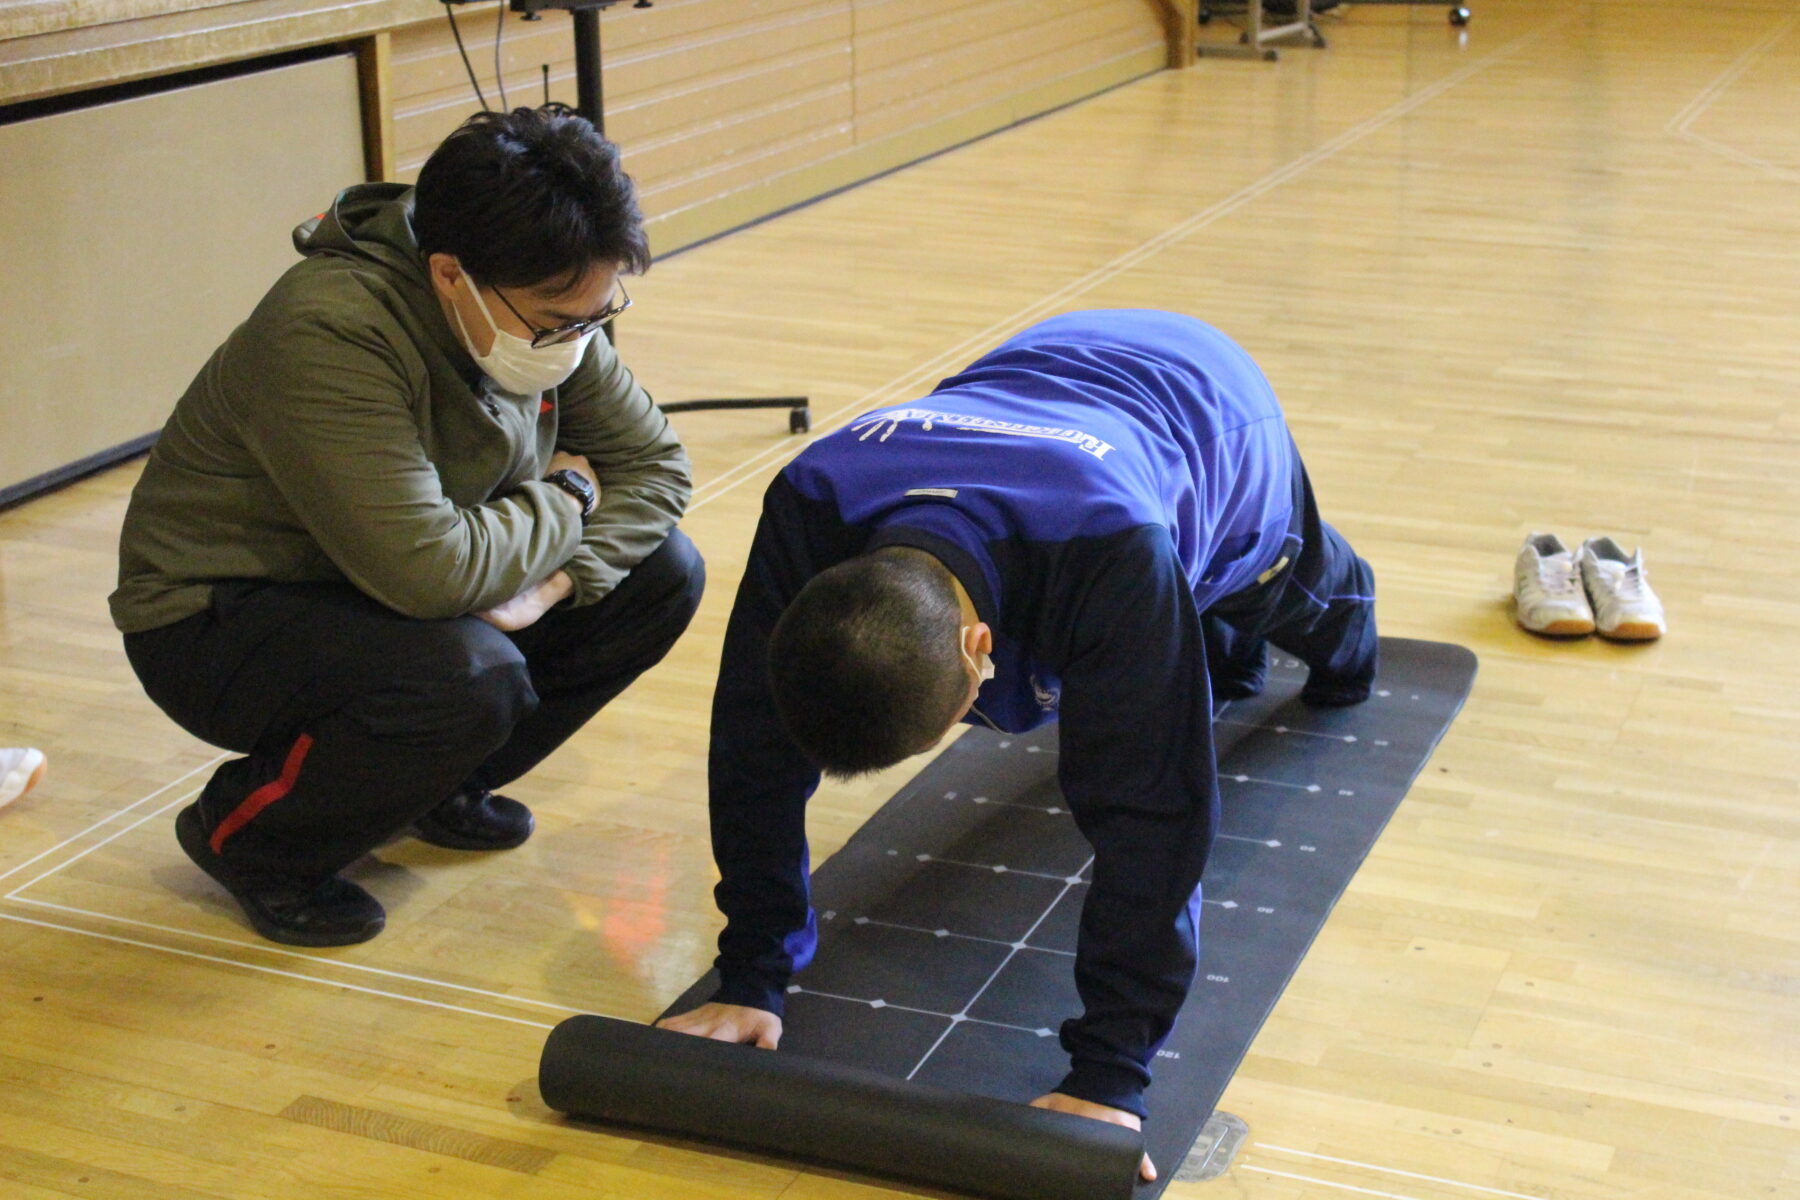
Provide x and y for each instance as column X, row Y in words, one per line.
column 457, row 33
column 499, row 76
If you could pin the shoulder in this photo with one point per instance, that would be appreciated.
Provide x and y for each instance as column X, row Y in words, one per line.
column 331, row 316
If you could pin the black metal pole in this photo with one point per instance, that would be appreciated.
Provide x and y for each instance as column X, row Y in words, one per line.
column 589, row 95
column 590, row 103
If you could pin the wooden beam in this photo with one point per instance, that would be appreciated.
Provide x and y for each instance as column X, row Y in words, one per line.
column 374, row 73
column 1182, row 20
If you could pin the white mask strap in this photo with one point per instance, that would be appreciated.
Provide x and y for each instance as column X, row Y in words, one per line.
column 984, row 670
column 486, row 315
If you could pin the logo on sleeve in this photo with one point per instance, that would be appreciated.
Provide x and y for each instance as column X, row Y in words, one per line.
column 888, row 422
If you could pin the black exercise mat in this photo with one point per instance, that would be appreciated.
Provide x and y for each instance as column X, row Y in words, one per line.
column 948, row 921
column 803, row 1107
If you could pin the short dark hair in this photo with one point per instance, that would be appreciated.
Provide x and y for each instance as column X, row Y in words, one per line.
column 529, row 197
column 865, row 662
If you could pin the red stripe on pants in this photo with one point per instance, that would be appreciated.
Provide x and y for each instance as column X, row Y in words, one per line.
column 265, row 795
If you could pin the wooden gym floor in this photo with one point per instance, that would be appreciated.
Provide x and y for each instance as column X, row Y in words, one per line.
column 1538, row 277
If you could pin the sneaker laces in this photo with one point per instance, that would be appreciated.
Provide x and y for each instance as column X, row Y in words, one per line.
column 1624, row 580
column 1630, row 582
column 1557, row 576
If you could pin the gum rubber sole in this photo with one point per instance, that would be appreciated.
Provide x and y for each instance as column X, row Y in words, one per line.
column 1632, row 631
column 1564, row 628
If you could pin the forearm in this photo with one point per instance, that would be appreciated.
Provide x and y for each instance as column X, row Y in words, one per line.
column 759, row 784
column 1138, row 950
column 1137, row 769
column 759, row 788
column 634, row 517
column 469, row 561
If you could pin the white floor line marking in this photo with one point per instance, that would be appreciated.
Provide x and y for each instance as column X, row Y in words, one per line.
column 113, row 816
column 1298, row 787
column 1342, row 1187
column 1051, row 809
column 115, row 835
column 1351, row 1162
column 967, row 937
column 955, row 1019
column 1680, row 123
column 271, row 948
column 1346, row 738
column 952, row 357
column 982, row 990
column 1001, row 869
column 17, row 896
column 1747, row 159
column 1709, row 95
column 233, row 962
column 1271, row 843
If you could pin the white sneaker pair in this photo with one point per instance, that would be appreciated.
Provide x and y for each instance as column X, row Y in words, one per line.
column 1567, row 593
column 19, row 772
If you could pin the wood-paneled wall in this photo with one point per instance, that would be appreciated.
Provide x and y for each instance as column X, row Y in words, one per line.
column 63, row 47
column 731, row 111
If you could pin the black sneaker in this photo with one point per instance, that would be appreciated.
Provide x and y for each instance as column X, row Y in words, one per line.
column 476, row 819
column 1238, row 681
column 1329, row 693
column 295, row 912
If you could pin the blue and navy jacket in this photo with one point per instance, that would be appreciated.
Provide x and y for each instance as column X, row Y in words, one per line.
column 1095, row 483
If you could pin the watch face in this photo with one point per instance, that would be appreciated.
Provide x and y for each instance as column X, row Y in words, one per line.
column 576, row 485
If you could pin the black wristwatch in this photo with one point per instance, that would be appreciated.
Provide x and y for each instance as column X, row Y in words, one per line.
column 577, row 485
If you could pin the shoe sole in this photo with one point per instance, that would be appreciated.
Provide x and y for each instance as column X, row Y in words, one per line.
column 1632, row 631
column 1571, row 627
column 194, row 844
column 450, row 841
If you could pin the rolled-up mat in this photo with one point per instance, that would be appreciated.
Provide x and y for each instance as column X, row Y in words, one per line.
column 947, row 928
column 610, row 1070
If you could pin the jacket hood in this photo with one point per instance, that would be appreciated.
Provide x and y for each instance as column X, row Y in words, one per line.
column 370, row 221
column 370, row 224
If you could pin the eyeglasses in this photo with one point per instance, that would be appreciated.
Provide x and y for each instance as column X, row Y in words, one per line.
column 573, row 330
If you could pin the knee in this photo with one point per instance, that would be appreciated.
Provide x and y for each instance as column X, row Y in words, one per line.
column 473, row 686
column 498, row 697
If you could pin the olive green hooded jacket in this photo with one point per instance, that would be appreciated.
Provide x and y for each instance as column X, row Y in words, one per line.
column 343, row 433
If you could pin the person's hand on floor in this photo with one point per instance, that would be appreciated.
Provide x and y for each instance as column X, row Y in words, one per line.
column 524, row 609
column 728, row 1023
column 1057, row 1102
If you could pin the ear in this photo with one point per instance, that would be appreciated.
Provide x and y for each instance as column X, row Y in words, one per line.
column 980, row 639
column 445, row 272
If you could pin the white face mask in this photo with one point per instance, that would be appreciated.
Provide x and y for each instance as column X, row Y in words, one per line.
column 984, row 669
column 512, row 362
